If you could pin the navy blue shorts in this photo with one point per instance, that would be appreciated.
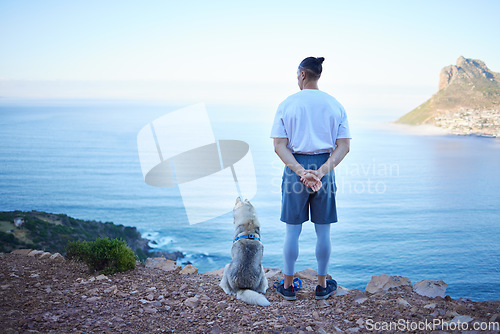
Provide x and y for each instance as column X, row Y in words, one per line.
column 297, row 199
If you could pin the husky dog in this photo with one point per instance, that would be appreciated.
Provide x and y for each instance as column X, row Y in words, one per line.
column 244, row 275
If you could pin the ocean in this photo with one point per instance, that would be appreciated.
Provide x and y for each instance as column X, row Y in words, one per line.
column 414, row 205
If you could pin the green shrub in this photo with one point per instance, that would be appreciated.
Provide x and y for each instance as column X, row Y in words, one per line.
column 102, row 255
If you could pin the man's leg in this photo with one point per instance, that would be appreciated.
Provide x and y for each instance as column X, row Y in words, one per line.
column 323, row 249
column 291, row 251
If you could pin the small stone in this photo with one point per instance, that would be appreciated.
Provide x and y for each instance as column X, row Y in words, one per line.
column 93, row 299
column 353, row 330
column 56, row 257
column 34, row 275
column 341, row 291
column 5, row 286
column 360, row 322
column 24, row 251
column 360, row 298
column 144, row 301
column 218, row 273
column 315, row 315
column 322, row 303
column 113, row 289
column 48, row 289
column 379, row 283
column 151, row 289
column 35, row 252
column 102, row 277
column 308, row 273
column 321, row 331
column 192, row 302
column 150, row 296
column 309, row 329
column 162, row 264
column 216, row 330
column 272, row 273
column 430, row 306
column 430, row 288
column 188, row 269
column 403, row 302
column 461, row 319
column 45, row 255
column 150, row 310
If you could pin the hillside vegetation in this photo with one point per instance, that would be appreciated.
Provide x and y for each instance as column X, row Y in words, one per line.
column 51, row 232
column 468, row 100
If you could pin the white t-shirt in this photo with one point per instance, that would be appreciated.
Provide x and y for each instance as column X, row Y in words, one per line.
column 312, row 121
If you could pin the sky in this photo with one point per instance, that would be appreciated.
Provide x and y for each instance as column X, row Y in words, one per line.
column 379, row 54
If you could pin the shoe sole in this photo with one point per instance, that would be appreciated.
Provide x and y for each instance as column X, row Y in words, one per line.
column 326, row 296
column 287, row 297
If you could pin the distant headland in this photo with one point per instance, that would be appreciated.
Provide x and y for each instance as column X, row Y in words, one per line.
column 467, row 103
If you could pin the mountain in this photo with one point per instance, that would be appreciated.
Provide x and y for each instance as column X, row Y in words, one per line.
column 468, row 100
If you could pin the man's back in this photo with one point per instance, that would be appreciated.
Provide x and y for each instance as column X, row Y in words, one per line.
column 312, row 120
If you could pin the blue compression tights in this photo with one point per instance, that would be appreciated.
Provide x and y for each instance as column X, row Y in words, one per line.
column 291, row 247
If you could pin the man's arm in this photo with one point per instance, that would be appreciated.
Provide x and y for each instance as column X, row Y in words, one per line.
column 309, row 179
column 282, row 150
column 343, row 146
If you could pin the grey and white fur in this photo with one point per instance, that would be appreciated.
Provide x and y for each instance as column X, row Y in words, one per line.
column 244, row 276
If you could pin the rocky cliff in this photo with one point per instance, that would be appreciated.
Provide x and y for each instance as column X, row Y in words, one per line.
column 468, row 101
column 48, row 294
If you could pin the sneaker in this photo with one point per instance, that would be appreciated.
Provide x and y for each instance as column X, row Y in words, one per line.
column 323, row 293
column 288, row 293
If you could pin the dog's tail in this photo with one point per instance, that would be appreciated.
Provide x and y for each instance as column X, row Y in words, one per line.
column 252, row 297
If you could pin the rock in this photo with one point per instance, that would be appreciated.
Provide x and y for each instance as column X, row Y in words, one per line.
column 384, row 282
column 45, row 255
column 150, row 310
column 35, row 252
column 495, row 317
column 56, row 257
column 34, row 275
column 102, row 277
column 144, row 301
column 403, row 302
column 309, row 329
column 216, row 330
column 153, row 288
column 192, row 302
column 113, row 289
column 150, row 296
column 308, row 273
column 341, row 291
column 93, row 299
column 188, row 269
column 430, row 306
column 360, row 298
column 322, row 303
column 162, row 264
column 272, row 272
column 460, row 319
column 218, row 273
column 24, row 251
column 430, row 288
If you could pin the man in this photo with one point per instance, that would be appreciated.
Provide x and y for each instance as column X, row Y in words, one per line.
column 311, row 136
